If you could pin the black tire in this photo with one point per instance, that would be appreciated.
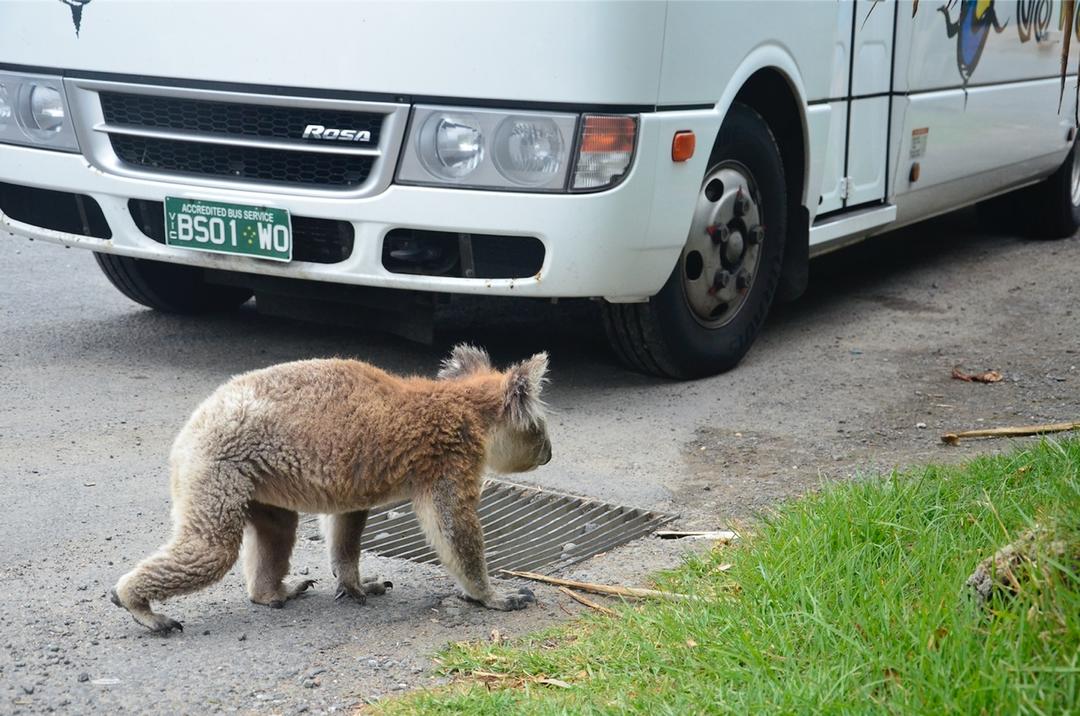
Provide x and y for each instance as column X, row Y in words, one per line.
column 170, row 288
column 1046, row 210
column 1053, row 209
column 997, row 216
column 663, row 337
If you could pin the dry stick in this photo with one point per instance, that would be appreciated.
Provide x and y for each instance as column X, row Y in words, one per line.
column 954, row 438
column 588, row 602
column 632, row 592
column 721, row 535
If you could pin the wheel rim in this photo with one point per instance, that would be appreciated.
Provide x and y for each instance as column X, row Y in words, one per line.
column 720, row 261
column 1075, row 195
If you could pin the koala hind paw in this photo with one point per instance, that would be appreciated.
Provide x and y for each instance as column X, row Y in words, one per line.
column 511, row 602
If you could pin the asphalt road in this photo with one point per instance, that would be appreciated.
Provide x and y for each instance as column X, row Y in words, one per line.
column 852, row 378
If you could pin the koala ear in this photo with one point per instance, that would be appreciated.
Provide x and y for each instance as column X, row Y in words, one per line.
column 464, row 360
column 524, row 381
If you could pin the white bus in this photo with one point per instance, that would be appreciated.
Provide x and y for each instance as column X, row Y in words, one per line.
column 679, row 162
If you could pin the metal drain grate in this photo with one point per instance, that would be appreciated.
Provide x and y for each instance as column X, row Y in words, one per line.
column 524, row 528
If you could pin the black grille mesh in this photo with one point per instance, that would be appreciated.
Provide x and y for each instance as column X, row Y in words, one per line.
column 242, row 120
column 239, row 162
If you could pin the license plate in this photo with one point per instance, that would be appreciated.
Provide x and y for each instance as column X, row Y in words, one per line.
column 260, row 231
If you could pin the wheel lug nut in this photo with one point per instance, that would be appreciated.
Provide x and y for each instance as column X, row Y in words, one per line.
column 742, row 203
column 721, row 280
column 742, row 280
column 756, row 234
column 719, row 233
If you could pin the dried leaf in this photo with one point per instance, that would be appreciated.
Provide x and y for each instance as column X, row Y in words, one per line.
column 936, row 638
column 892, row 675
column 724, row 567
column 987, row 376
column 555, row 682
column 496, row 637
column 691, row 643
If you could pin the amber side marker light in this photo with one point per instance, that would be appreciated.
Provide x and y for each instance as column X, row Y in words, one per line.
column 682, row 146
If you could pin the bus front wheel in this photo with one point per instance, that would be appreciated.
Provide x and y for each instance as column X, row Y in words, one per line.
column 713, row 305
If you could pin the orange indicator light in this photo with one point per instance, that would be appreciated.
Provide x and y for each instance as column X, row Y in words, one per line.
column 682, row 146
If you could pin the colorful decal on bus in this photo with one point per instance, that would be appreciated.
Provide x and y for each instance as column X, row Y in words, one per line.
column 973, row 27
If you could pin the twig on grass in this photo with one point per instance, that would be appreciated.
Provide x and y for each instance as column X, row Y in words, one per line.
column 954, row 438
column 588, row 602
column 518, row 681
column 631, row 592
column 719, row 535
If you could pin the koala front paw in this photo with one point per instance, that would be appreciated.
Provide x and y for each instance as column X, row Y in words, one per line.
column 359, row 593
column 513, row 601
column 522, row 599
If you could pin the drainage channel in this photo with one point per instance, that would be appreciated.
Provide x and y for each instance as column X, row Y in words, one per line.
column 525, row 528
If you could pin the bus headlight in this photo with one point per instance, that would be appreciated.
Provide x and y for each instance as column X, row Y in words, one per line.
column 451, row 146
column 34, row 112
column 488, row 149
column 46, row 109
column 530, row 151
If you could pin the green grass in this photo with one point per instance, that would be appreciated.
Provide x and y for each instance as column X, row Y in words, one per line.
column 851, row 600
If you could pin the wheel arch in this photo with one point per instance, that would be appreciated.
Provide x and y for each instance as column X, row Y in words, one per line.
column 774, row 92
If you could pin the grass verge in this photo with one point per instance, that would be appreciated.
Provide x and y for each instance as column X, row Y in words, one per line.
column 849, row 600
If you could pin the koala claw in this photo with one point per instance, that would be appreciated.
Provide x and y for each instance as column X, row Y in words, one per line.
column 166, row 625
column 357, row 595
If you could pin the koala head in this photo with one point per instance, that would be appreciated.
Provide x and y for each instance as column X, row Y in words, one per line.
column 519, row 441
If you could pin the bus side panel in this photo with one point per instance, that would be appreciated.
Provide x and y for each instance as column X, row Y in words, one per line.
column 868, row 126
column 978, row 43
column 978, row 98
column 706, row 42
column 832, row 156
column 973, row 144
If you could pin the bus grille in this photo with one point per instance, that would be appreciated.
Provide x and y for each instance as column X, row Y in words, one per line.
column 231, row 119
column 251, row 163
column 245, row 140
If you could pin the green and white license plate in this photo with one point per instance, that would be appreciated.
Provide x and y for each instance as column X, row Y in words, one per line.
column 260, row 231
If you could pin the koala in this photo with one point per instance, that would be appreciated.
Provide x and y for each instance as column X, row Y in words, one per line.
column 339, row 437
